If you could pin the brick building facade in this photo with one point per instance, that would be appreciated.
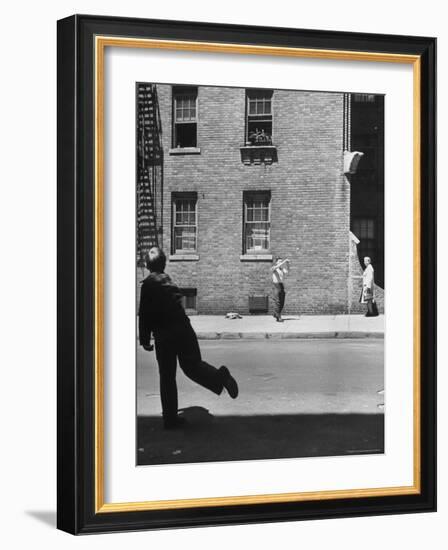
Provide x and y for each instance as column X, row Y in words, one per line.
column 229, row 178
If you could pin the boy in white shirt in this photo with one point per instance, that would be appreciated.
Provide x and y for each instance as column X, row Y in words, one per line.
column 279, row 270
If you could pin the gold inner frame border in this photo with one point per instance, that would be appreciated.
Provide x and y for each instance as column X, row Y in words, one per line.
column 101, row 42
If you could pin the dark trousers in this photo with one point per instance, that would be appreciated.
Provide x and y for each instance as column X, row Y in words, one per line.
column 278, row 297
column 180, row 343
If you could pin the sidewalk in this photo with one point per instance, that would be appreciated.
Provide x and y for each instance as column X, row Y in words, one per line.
column 217, row 327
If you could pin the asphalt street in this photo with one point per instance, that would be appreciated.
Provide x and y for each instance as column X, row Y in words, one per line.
column 297, row 398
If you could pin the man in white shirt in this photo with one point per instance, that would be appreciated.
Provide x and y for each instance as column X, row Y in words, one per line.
column 279, row 270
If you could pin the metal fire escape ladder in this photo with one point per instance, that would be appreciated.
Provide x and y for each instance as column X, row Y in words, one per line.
column 149, row 170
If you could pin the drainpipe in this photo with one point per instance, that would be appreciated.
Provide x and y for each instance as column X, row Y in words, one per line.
column 349, row 278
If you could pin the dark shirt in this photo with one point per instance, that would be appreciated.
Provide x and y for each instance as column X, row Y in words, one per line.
column 160, row 306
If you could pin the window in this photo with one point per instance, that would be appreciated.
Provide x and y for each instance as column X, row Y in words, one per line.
column 189, row 297
column 256, row 222
column 365, row 230
column 259, row 117
column 364, row 98
column 185, row 116
column 184, row 223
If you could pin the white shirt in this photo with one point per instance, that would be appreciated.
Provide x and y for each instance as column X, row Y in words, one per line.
column 279, row 274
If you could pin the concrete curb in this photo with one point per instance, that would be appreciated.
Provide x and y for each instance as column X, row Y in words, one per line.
column 286, row 335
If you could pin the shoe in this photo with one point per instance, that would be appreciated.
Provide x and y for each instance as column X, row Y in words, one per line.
column 174, row 424
column 229, row 382
column 279, row 320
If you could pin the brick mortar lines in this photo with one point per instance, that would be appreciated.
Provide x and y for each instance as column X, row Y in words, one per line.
column 310, row 201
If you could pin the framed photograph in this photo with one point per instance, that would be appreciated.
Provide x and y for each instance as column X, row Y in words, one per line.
column 246, row 274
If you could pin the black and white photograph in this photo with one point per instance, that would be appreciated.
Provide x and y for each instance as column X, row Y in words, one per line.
column 220, row 319
column 259, row 273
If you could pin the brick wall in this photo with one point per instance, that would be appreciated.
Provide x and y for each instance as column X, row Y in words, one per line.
column 310, row 201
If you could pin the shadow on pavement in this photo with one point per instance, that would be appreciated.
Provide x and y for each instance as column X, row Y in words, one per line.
column 208, row 438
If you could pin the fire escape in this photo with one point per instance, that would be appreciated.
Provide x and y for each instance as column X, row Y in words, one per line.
column 149, row 171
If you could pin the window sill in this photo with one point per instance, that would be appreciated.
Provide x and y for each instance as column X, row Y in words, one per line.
column 185, row 151
column 184, row 257
column 256, row 258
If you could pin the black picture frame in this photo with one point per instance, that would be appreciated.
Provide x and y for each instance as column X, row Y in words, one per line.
column 76, row 475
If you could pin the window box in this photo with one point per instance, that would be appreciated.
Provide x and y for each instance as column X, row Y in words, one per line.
column 258, row 154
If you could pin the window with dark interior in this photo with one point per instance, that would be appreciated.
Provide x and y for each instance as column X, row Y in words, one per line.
column 365, row 230
column 257, row 222
column 364, row 98
column 185, row 116
column 259, row 117
column 189, row 297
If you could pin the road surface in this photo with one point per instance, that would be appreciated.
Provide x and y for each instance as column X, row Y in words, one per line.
column 298, row 398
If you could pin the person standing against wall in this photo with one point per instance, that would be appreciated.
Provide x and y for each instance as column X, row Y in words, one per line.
column 279, row 270
column 368, row 285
